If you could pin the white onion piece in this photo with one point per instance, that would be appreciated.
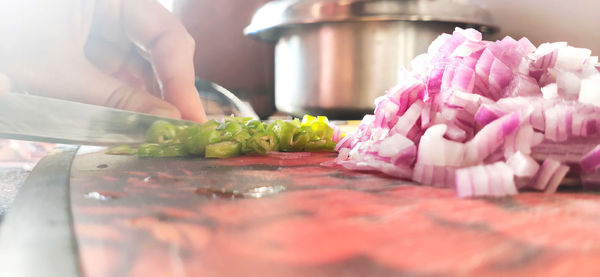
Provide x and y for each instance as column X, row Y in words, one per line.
column 522, row 140
column 508, row 179
column 406, row 122
column 344, row 143
column 490, row 137
column 525, row 139
column 556, row 179
column 439, row 176
column 522, row 165
column 468, row 101
column 522, row 85
column 546, row 54
column 526, row 45
column 591, row 161
column 568, row 83
column 589, row 92
column 481, row 180
column 487, row 114
column 550, row 91
column 435, row 150
column 464, row 185
column 435, row 45
column 398, row 148
column 537, row 138
column 544, row 174
column 419, row 65
column 572, row 58
column 494, row 180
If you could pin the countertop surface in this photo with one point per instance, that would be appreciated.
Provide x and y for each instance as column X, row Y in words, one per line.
column 287, row 215
column 17, row 158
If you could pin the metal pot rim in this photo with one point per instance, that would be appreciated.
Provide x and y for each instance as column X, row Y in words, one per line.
column 271, row 18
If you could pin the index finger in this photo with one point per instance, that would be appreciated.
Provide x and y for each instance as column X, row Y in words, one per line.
column 171, row 51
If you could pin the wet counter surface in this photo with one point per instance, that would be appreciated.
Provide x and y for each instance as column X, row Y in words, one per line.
column 289, row 216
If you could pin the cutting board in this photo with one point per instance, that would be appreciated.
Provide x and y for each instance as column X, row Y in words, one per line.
column 290, row 216
column 199, row 217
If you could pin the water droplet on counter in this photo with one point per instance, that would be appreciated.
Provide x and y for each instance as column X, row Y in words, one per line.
column 218, row 193
column 104, row 196
column 256, row 192
column 102, row 166
column 263, row 191
column 147, row 179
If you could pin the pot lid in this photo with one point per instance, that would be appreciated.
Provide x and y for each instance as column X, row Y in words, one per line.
column 275, row 15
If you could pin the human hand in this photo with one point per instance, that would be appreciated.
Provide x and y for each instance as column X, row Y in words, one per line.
column 117, row 53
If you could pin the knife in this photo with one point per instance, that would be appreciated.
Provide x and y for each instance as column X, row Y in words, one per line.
column 35, row 118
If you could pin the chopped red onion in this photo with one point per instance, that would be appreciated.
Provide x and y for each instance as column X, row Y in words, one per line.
column 480, row 116
column 591, row 161
column 542, row 178
column 556, row 179
column 485, row 180
column 522, row 165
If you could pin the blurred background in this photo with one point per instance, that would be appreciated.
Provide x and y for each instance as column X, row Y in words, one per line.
column 224, row 55
column 245, row 66
column 575, row 21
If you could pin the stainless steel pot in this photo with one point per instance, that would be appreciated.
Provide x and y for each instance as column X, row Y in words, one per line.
column 334, row 57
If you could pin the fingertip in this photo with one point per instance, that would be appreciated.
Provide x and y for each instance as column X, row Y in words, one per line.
column 196, row 114
column 165, row 112
column 185, row 97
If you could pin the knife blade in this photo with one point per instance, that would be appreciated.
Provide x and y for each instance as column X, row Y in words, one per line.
column 35, row 118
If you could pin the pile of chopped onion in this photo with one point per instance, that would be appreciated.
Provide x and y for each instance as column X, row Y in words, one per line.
column 488, row 118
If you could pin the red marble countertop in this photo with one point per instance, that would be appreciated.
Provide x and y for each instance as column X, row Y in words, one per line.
column 198, row 217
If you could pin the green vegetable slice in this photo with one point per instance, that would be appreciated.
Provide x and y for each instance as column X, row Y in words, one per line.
column 196, row 143
column 174, row 150
column 148, row 150
column 225, row 149
column 161, row 131
column 234, row 136
column 263, row 142
column 121, row 150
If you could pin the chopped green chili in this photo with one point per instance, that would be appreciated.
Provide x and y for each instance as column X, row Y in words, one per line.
column 233, row 137
column 121, row 150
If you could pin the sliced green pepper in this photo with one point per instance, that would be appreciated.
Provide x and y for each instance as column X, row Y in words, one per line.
column 307, row 120
column 233, row 127
column 235, row 136
column 197, row 142
column 302, row 136
column 121, row 150
column 173, row 150
column 322, row 130
column 161, row 131
column 224, row 149
column 242, row 137
column 240, row 120
column 319, row 145
column 263, row 142
column 148, row 150
column 185, row 134
column 287, row 131
column 255, row 126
